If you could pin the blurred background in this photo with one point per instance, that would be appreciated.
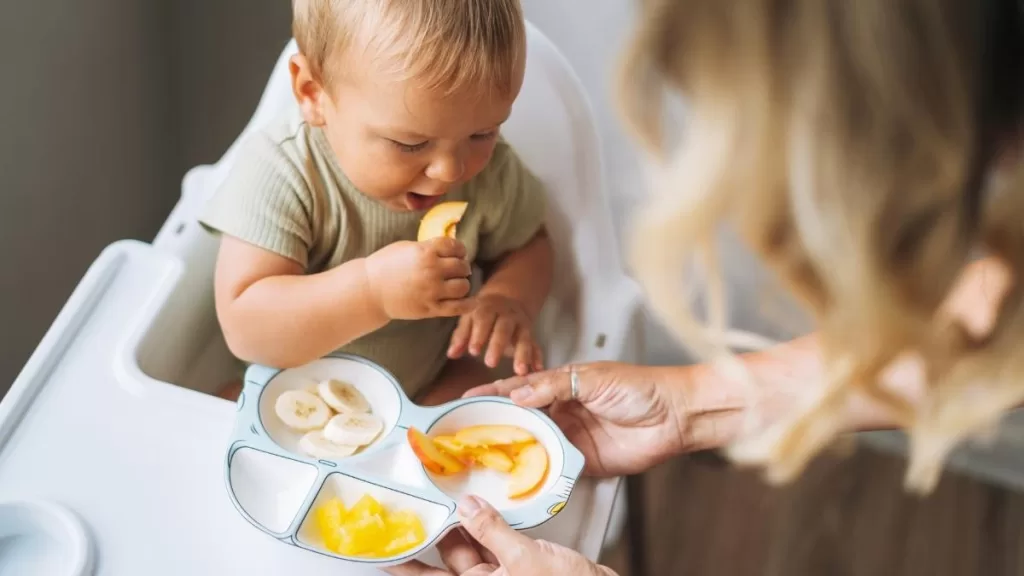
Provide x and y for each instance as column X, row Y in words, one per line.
column 107, row 103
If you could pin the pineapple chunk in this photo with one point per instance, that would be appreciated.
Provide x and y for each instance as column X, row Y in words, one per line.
column 368, row 529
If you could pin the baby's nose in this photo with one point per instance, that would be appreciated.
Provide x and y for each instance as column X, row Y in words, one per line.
column 446, row 168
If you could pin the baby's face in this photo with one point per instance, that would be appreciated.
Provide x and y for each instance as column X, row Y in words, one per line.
column 406, row 146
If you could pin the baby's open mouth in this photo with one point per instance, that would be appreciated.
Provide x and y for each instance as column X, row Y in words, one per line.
column 421, row 201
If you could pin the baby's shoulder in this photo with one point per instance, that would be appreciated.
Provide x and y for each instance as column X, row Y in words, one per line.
column 504, row 178
column 285, row 144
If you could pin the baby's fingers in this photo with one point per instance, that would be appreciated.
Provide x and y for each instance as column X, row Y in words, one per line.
column 460, row 337
column 455, row 288
column 524, row 357
column 483, row 326
column 455, row 307
column 454, row 268
column 504, row 328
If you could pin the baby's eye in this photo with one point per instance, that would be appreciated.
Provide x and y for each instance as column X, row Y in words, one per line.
column 410, row 148
column 485, row 135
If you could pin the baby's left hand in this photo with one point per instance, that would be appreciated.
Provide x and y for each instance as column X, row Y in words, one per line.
column 502, row 326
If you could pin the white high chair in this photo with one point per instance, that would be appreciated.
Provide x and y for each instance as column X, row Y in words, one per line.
column 111, row 419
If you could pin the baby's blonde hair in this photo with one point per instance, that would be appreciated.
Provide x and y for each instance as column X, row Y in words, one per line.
column 845, row 140
column 444, row 44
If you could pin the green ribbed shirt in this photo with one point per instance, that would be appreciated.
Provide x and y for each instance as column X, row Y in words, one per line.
column 286, row 193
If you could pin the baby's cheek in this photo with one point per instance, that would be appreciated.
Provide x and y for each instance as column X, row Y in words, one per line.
column 382, row 178
column 477, row 161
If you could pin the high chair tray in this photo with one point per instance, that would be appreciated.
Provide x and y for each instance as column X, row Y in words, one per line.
column 139, row 463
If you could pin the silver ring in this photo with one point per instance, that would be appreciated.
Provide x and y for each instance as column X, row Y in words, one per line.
column 574, row 382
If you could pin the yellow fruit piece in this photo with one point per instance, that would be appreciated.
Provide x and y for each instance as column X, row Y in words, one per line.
column 368, row 529
column 487, row 435
column 431, row 455
column 531, row 468
column 405, row 532
column 452, row 446
column 513, row 450
column 441, row 220
column 494, row 459
column 329, row 518
column 366, row 506
column 362, row 535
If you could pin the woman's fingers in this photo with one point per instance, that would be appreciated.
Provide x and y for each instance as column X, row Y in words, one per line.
column 540, row 389
column 415, row 568
column 486, row 526
column 548, row 387
column 498, row 388
column 458, row 554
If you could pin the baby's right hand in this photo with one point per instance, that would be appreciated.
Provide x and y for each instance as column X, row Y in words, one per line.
column 413, row 280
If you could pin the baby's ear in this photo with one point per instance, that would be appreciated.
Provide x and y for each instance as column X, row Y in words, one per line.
column 309, row 93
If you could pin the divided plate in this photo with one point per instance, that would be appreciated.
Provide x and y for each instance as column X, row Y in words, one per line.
column 276, row 487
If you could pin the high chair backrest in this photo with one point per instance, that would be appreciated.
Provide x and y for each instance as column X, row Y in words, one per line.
column 553, row 131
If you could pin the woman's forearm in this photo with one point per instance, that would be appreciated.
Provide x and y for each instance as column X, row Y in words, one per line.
column 713, row 406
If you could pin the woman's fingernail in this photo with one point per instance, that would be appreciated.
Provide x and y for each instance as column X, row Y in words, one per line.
column 521, row 394
column 469, row 506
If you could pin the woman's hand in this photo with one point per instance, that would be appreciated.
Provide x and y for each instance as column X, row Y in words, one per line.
column 625, row 420
column 499, row 551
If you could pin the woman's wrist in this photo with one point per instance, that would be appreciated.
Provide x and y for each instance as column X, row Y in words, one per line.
column 711, row 408
column 707, row 413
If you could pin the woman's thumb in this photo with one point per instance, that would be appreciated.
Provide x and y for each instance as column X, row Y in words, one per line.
column 488, row 528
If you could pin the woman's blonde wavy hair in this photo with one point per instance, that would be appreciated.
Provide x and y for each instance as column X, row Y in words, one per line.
column 847, row 141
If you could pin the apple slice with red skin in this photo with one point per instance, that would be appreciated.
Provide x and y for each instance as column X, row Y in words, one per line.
column 433, row 458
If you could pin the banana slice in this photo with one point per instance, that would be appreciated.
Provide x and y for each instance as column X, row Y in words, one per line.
column 300, row 410
column 342, row 397
column 357, row 429
column 316, row 445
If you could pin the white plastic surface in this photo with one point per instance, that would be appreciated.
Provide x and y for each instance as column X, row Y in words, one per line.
column 42, row 538
column 117, row 383
column 269, row 488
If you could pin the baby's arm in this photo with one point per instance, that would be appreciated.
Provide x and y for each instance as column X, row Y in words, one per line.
column 518, row 258
column 272, row 309
column 274, row 314
column 524, row 275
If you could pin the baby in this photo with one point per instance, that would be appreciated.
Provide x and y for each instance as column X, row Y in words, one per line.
column 400, row 103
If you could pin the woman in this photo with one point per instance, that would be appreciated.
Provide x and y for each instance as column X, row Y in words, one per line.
column 864, row 151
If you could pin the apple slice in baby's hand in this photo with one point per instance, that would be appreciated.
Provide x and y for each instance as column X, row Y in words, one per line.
column 433, row 459
column 441, row 220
